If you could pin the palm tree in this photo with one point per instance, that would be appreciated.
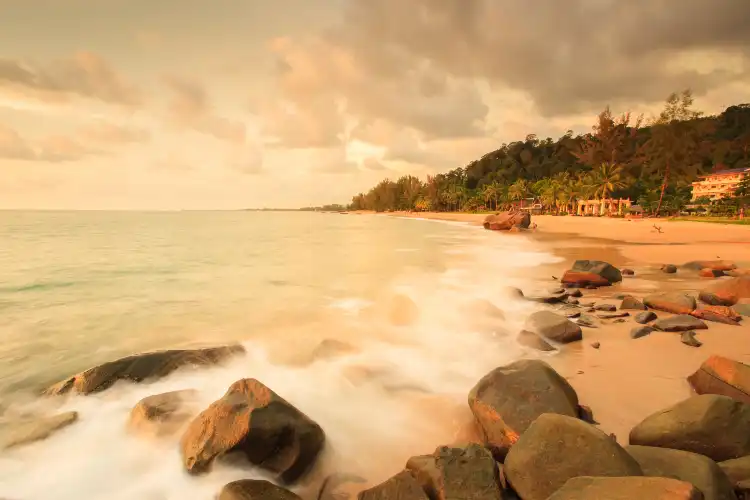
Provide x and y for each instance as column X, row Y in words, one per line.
column 519, row 190
column 489, row 192
column 606, row 179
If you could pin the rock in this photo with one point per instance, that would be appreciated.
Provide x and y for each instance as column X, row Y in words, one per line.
column 727, row 312
column 162, row 414
column 504, row 221
column 688, row 338
column 727, row 292
column 551, row 451
column 603, row 269
column 251, row 419
column 606, row 307
column 508, row 399
column 627, row 272
column 632, row 303
column 586, row 321
column 534, row 341
column 572, row 301
column 714, row 426
column 341, row 487
column 402, row 486
column 28, row 430
column 710, row 273
column 572, row 314
column 716, row 299
column 586, row 414
column 619, row 320
column 554, row 327
column 587, row 304
column 626, row 488
column 142, row 367
column 679, row 323
column 718, row 265
column 547, row 298
column 709, row 315
column 614, row 315
column 451, row 473
column 583, row 280
column 722, row 376
column 693, row 468
column 255, row 489
column 645, row 317
column 737, row 470
column 669, row 268
column 575, row 292
column 641, row 331
column 596, row 345
column 675, row 303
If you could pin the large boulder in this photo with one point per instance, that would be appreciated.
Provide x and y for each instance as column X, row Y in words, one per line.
column 685, row 466
column 252, row 419
column 556, row 448
column 508, row 399
column 711, row 425
column 738, row 471
column 715, row 265
column 26, row 430
column 679, row 323
column 162, row 414
column 255, row 489
column 675, row 303
column 716, row 315
column 603, row 269
column 626, row 488
column 452, row 473
column 554, row 327
column 632, row 304
column 505, row 221
column 402, row 486
column 142, row 367
column 727, row 292
column 580, row 279
column 722, row 376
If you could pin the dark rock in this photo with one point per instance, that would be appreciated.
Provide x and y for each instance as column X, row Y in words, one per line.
column 546, row 298
column 632, row 303
column 641, row 331
column 255, row 489
column 713, row 315
column 586, row 321
column 716, row 299
column 675, row 303
column 508, row 399
column 580, row 279
column 619, row 320
column 693, row 468
column 572, row 301
column 550, row 452
column 727, row 292
column 575, row 293
column 572, row 314
column 554, row 327
column 714, row 426
column 162, row 414
column 587, row 304
column 688, row 338
column 627, row 272
column 402, row 486
column 534, row 341
column 252, row 419
column 606, row 307
column 596, row 345
column 586, row 414
column 451, row 473
column 722, row 376
column 613, row 315
column 626, row 488
column 669, row 268
column 23, row 431
column 679, row 323
column 603, row 269
column 737, row 470
column 645, row 317
column 141, row 367
column 718, row 265
column 341, row 487
column 710, row 273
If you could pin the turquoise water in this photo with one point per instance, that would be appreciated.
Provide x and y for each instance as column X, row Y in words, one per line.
column 416, row 298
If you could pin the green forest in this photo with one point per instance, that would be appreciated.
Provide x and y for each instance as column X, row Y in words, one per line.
column 651, row 162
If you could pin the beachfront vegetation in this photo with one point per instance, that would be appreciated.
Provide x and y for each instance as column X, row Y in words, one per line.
column 652, row 163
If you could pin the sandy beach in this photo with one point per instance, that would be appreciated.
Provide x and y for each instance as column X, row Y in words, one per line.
column 626, row 380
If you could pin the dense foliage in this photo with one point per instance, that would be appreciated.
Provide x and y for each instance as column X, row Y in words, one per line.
column 652, row 165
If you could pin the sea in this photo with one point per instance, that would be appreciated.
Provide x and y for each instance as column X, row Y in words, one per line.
column 421, row 306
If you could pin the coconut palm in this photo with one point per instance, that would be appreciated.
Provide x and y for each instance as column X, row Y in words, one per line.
column 606, row 179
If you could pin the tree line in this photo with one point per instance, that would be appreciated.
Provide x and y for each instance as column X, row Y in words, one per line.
column 652, row 163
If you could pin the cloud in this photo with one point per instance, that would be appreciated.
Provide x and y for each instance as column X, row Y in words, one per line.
column 13, row 146
column 247, row 160
column 192, row 108
column 53, row 149
column 111, row 133
column 85, row 74
column 373, row 164
column 331, row 161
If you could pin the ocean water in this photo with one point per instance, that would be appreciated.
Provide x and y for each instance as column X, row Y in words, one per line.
column 421, row 303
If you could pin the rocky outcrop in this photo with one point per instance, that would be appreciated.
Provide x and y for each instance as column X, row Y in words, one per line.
column 505, row 221
column 714, row 426
column 722, row 376
column 255, row 489
column 675, row 303
column 142, row 367
column 693, row 468
column 598, row 267
column 626, row 488
column 508, row 399
column 253, row 420
column 551, row 452
column 28, row 430
column 553, row 327
column 162, row 414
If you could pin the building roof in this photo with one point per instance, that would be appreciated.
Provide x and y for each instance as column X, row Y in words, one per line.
column 636, row 208
column 726, row 172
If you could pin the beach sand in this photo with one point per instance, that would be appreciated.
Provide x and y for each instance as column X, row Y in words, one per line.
column 626, row 380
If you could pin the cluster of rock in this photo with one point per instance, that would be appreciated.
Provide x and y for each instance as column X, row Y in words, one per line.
column 512, row 220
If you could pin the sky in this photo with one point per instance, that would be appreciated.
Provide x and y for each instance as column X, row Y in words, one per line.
column 223, row 104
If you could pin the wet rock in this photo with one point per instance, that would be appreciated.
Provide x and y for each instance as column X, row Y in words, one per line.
column 710, row 273
column 641, row 331
column 727, row 292
column 572, row 301
column 716, row 317
column 675, row 303
column 23, row 431
column 546, row 298
column 626, row 488
column 693, row 468
column 586, row 321
column 550, row 452
column 534, row 341
column 505, row 221
column 717, row 265
column 583, row 279
column 716, row 298
column 606, row 307
column 714, row 426
column 142, row 367
column 572, row 314
column 575, row 292
column 162, row 414
column 255, row 489
column 586, row 414
column 596, row 345
column 627, row 272
column 631, row 303
column 613, row 315
column 603, row 269
column 722, row 376
column 508, row 399
column 679, row 323
column 737, row 470
column 688, row 338
column 554, row 327
column 253, row 420
column 669, row 268
column 451, row 473
column 402, row 486
column 341, row 487
column 645, row 317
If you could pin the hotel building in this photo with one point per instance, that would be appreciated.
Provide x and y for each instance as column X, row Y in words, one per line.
column 719, row 184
